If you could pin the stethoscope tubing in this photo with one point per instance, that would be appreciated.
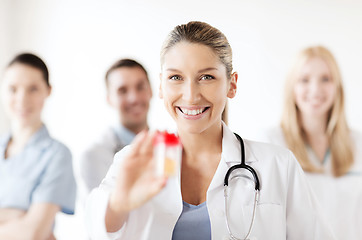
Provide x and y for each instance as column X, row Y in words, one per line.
column 226, row 184
column 242, row 165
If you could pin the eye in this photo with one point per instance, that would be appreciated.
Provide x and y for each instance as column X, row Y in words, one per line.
column 304, row 80
column 207, row 77
column 33, row 89
column 12, row 89
column 122, row 91
column 141, row 87
column 175, row 78
column 325, row 79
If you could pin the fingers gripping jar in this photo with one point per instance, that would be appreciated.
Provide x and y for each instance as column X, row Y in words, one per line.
column 167, row 153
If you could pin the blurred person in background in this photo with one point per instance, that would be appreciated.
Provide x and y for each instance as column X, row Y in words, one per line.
column 36, row 172
column 129, row 93
column 314, row 127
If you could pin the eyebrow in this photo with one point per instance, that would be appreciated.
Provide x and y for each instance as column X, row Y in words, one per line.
column 202, row 70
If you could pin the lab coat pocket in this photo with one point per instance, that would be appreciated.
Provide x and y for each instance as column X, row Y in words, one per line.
column 269, row 221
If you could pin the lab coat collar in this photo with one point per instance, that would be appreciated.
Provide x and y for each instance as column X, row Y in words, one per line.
column 124, row 135
column 231, row 148
column 230, row 156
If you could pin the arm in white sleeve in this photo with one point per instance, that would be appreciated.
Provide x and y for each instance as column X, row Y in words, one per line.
column 97, row 204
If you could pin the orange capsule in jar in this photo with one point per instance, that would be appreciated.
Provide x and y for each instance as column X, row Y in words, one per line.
column 167, row 153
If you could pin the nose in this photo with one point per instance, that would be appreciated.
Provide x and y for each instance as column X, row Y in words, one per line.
column 21, row 98
column 132, row 96
column 191, row 91
column 315, row 87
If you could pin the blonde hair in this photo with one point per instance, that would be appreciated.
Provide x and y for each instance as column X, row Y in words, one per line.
column 337, row 130
column 205, row 34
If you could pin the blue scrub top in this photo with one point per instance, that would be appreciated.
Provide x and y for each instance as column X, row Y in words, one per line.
column 41, row 173
column 193, row 223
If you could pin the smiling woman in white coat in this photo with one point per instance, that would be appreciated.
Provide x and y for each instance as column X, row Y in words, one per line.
column 314, row 127
column 132, row 202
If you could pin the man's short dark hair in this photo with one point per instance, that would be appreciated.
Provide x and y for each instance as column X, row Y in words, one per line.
column 125, row 63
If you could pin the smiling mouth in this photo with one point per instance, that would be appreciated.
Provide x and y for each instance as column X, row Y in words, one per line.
column 193, row 112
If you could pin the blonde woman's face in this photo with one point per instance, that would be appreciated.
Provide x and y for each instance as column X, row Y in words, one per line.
column 315, row 90
column 194, row 86
column 24, row 93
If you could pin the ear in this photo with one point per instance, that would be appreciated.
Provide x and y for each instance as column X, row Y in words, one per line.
column 233, row 85
column 108, row 98
column 160, row 94
column 150, row 90
column 49, row 90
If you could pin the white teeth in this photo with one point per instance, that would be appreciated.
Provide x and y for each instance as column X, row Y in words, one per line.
column 192, row 112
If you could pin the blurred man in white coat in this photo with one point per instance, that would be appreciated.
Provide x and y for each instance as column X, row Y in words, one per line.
column 129, row 93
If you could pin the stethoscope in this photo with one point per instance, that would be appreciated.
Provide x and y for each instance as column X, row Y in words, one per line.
column 226, row 185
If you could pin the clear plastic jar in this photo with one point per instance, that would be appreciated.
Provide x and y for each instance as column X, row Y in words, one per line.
column 167, row 154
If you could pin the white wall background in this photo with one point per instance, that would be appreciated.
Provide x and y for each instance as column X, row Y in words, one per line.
column 80, row 39
column 5, row 40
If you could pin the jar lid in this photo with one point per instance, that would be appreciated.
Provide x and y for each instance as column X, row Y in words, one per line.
column 166, row 138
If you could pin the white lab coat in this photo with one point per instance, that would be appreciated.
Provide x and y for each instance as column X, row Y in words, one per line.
column 286, row 210
column 96, row 159
column 340, row 197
